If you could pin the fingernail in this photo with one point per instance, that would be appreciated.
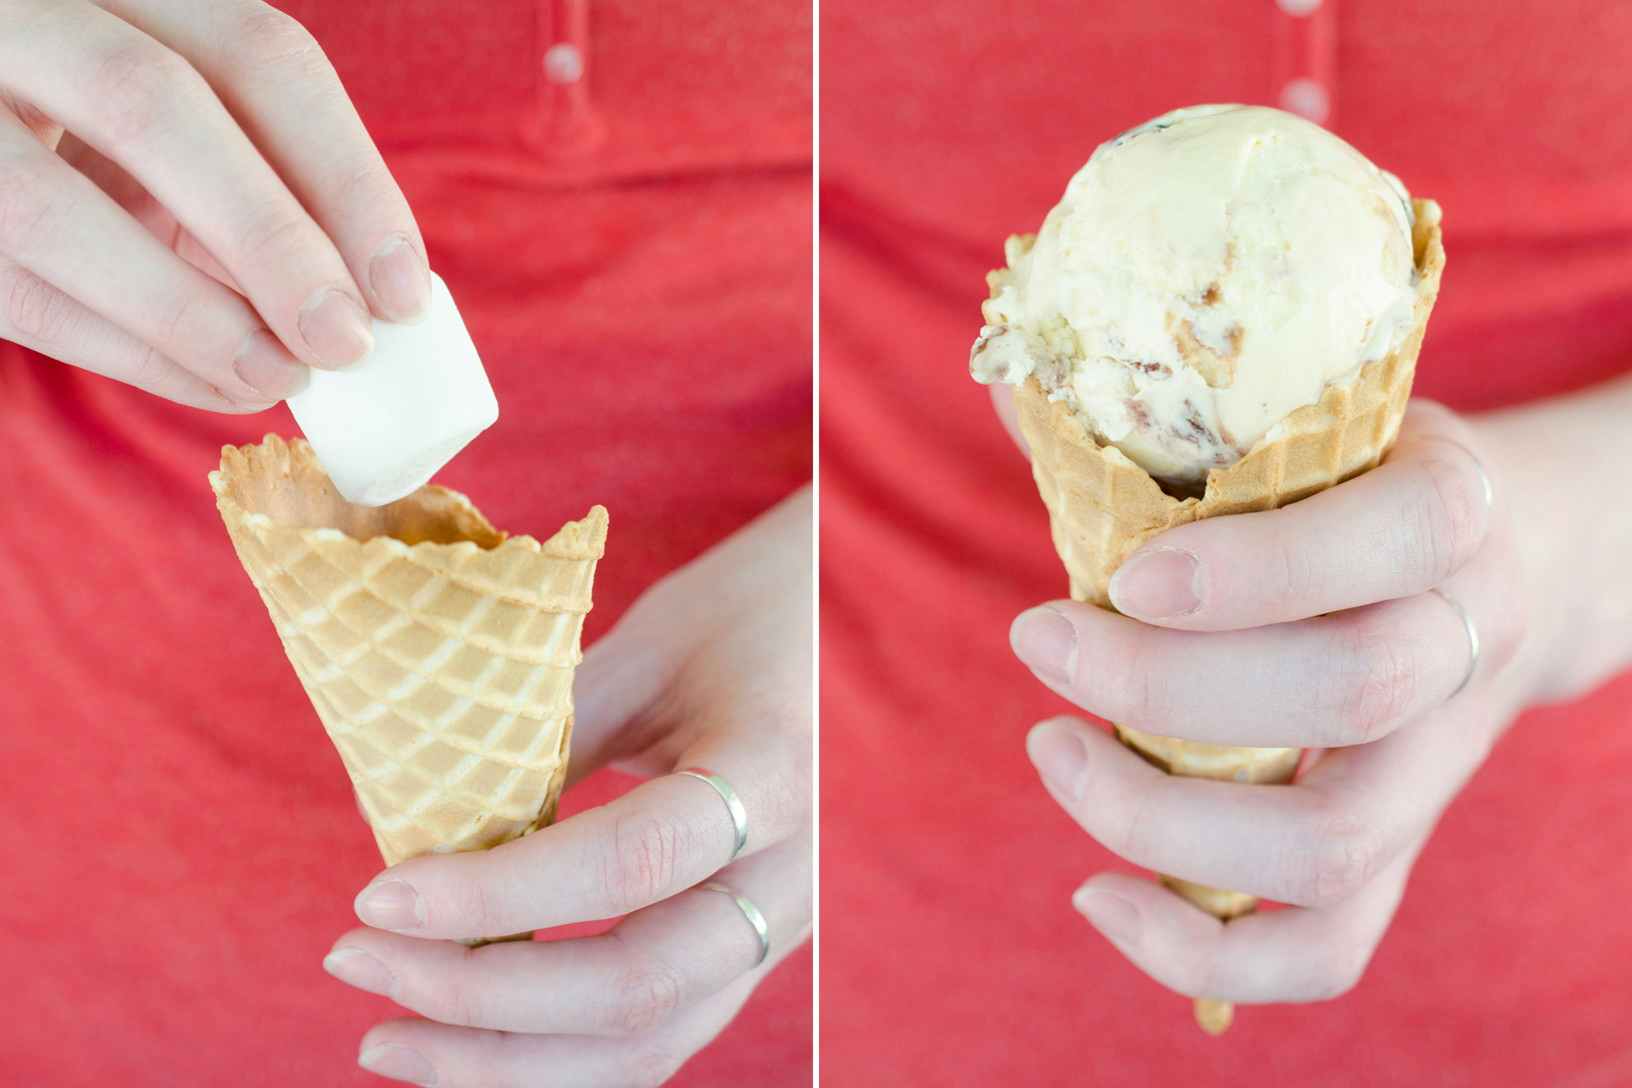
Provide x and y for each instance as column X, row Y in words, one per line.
column 269, row 370
column 1059, row 756
column 401, row 282
column 1045, row 640
column 390, row 904
column 1158, row 584
column 398, row 1062
column 357, row 968
column 336, row 328
column 1112, row 915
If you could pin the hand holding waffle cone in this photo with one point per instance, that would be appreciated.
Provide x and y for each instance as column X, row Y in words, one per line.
column 1126, row 448
column 441, row 656
column 709, row 668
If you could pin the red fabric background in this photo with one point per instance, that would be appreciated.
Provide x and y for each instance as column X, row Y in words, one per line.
column 951, row 954
column 178, row 838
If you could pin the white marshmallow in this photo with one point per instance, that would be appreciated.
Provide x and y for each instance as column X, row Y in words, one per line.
column 386, row 425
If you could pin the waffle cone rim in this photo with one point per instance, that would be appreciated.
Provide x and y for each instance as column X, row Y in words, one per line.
column 580, row 539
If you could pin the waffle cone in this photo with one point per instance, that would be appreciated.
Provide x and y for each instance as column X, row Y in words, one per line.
column 437, row 650
column 1102, row 507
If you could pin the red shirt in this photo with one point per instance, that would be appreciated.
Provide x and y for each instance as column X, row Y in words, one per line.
column 632, row 255
column 951, row 954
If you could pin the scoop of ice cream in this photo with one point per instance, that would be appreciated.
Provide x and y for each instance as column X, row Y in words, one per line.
column 1205, row 275
column 384, row 427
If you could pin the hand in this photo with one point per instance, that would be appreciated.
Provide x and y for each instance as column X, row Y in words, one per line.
column 711, row 668
column 1335, row 623
column 203, row 255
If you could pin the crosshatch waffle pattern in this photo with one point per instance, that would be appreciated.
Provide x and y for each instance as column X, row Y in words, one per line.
column 442, row 671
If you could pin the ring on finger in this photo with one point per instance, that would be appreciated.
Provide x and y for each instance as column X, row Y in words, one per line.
column 733, row 803
column 1479, row 466
column 761, row 929
column 1473, row 640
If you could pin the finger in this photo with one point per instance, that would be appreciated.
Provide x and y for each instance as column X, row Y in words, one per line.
column 143, row 106
column 43, row 319
column 659, row 839
column 274, row 77
column 126, row 192
column 421, row 1052
column 1314, row 843
column 1284, row 955
column 1398, row 530
column 1345, row 679
column 58, row 225
column 653, row 964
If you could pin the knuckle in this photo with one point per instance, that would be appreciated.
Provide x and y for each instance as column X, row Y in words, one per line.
column 1132, row 835
column 1191, row 965
column 1451, row 515
column 498, row 1060
column 1346, row 855
column 275, row 39
column 469, row 903
column 1143, row 687
column 1124, row 680
column 139, row 86
column 1379, row 686
column 451, row 1003
column 176, row 320
column 475, row 904
column 152, row 371
column 641, row 861
column 35, row 309
column 1291, row 577
column 361, row 185
column 271, row 233
column 644, row 997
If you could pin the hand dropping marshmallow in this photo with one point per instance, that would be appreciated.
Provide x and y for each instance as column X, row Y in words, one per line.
column 384, row 427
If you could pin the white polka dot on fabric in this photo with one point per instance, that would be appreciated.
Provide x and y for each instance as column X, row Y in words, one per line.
column 563, row 63
column 1298, row 7
column 1306, row 98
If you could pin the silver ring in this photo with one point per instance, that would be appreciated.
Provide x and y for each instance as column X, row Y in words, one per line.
column 1473, row 640
column 750, row 912
column 1479, row 466
column 739, row 815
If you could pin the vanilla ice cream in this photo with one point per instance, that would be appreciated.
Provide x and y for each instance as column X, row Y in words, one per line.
column 1205, row 275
